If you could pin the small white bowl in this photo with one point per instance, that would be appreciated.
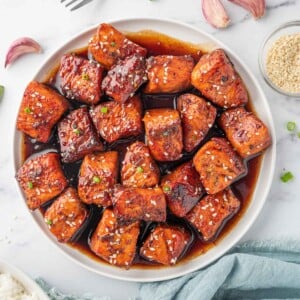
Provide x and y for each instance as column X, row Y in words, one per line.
column 29, row 285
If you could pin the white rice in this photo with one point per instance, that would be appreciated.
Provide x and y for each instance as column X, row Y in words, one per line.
column 11, row 289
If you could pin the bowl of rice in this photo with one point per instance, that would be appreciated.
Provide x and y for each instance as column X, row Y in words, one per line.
column 16, row 285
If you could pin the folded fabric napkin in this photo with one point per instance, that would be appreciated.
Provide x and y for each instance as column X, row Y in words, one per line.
column 252, row 270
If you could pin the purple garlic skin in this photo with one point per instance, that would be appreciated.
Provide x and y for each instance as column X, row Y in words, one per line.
column 20, row 47
column 255, row 7
column 215, row 13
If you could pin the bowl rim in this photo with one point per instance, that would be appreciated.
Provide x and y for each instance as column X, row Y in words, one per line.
column 29, row 284
column 140, row 276
column 262, row 63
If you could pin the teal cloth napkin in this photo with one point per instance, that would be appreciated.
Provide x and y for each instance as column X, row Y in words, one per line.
column 252, row 270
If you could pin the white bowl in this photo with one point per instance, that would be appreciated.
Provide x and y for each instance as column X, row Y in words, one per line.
column 190, row 34
column 29, row 285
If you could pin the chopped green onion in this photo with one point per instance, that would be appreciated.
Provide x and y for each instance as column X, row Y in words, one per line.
column 287, row 176
column 113, row 44
column 49, row 222
column 97, row 179
column 77, row 131
column 1, row 92
column 166, row 188
column 27, row 110
column 139, row 169
column 298, row 134
column 85, row 76
column 104, row 109
column 291, row 126
column 30, row 185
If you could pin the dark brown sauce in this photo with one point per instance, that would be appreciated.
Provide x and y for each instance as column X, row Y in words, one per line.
column 156, row 44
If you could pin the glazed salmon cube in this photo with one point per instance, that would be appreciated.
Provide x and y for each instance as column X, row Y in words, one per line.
column 215, row 77
column 246, row 132
column 165, row 244
column 124, row 78
column 41, row 179
column 182, row 188
column 108, row 46
column 81, row 79
column 77, row 136
column 114, row 120
column 40, row 110
column 212, row 212
column 164, row 133
column 97, row 177
column 138, row 167
column 131, row 204
column 197, row 116
column 66, row 215
column 114, row 242
column 218, row 165
column 169, row 74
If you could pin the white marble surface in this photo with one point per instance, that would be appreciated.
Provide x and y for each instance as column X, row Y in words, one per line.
column 47, row 21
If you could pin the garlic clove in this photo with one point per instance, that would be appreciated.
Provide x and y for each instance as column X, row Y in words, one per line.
column 255, row 7
column 19, row 47
column 215, row 13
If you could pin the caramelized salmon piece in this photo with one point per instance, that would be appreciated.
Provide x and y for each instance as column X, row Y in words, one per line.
column 81, row 79
column 66, row 215
column 124, row 78
column 164, row 133
column 97, row 177
column 215, row 77
column 182, row 188
column 131, row 204
column 169, row 74
column 212, row 212
column 165, row 244
column 246, row 132
column 114, row 120
column 114, row 242
column 139, row 169
column 218, row 165
column 40, row 110
column 197, row 116
column 77, row 136
column 108, row 46
column 41, row 179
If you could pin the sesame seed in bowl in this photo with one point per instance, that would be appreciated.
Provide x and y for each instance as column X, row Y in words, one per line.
column 279, row 59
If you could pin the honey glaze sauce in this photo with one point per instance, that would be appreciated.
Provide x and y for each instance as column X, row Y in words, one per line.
column 157, row 44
